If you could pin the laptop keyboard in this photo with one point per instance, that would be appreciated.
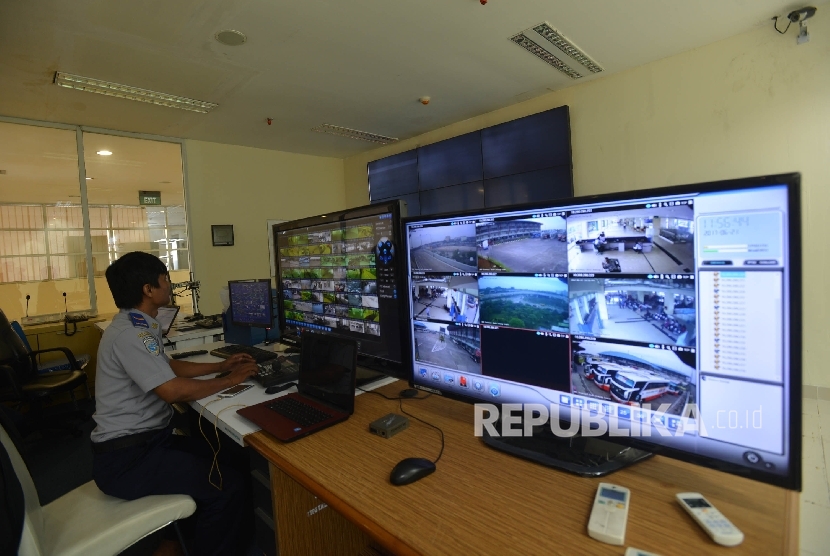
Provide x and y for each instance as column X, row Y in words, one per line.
column 297, row 411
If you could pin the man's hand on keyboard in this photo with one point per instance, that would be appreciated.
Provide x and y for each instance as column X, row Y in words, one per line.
column 233, row 361
column 241, row 367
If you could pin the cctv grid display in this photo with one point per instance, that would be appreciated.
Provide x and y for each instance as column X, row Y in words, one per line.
column 340, row 277
column 668, row 311
column 251, row 303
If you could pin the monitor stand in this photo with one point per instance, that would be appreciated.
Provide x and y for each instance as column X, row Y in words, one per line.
column 585, row 456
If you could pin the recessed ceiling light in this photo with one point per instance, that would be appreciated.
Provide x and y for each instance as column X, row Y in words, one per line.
column 354, row 134
column 90, row 178
column 230, row 37
column 104, row 153
column 92, row 85
column 567, row 47
column 548, row 44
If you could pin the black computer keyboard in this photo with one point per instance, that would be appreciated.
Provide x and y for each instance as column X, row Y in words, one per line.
column 259, row 355
column 271, row 374
column 302, row 414
column 183, row 354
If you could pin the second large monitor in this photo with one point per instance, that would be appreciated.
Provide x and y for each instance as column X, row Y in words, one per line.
column 673, row 313
column 340, row 273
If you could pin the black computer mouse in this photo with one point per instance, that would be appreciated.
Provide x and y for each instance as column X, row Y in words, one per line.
column 410, row 470
column 280, row 387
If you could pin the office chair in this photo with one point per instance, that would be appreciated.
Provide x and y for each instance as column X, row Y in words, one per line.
column 20, row 382
column 53, row 365
column 85, row 521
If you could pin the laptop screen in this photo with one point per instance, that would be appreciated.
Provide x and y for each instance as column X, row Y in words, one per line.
column 327, row 370
column 166, row 317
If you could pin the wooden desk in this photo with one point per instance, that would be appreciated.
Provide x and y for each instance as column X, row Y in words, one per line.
column 481, row 501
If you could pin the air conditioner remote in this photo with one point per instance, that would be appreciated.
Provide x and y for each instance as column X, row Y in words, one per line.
column 609, row 514
column 631, row 551
column 713, row 522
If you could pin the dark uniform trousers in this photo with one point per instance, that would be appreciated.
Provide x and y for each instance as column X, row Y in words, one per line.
column 173, row 464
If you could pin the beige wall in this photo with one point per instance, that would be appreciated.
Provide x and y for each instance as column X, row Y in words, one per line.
column 246, row 187
column 753, row 104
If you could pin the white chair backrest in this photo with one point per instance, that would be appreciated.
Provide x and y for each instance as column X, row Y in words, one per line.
column 33, row 524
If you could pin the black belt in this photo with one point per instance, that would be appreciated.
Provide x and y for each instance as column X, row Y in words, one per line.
column 124, row 441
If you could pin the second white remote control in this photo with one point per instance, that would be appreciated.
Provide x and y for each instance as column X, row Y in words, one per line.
column 609, row 514
column 710, row 519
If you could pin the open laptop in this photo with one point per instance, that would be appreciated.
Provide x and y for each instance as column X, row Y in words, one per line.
column 166, row 317
column 325, row 391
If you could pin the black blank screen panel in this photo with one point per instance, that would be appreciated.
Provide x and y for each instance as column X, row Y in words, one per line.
column 453, row 198
column 450, row 162
column 413, row 203
column 394, row 176
column 530, row 143
column 541, row 185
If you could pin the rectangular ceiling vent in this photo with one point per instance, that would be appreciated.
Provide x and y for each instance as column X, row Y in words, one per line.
column 354, row 134
column 551, row 46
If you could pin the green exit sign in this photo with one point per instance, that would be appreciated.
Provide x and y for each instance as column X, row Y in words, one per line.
column 149, row 197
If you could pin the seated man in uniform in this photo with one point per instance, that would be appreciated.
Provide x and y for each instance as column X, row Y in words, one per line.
column 135, row 452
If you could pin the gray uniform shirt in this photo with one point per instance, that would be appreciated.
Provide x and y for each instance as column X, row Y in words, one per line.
column 131, row 363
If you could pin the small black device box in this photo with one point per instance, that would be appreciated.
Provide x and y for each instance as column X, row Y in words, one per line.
column 389, row 426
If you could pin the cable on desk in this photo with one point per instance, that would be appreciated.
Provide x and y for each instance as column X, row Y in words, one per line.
column 215, row 462
column 400, row 404
column 389, row 398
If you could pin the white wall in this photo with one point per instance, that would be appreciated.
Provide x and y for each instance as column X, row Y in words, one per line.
column 246, row 187
column 753, row 104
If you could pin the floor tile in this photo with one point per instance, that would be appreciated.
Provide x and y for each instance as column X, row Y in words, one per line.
column 809, row 407
column 815, row 534
column 823, row 407
column 823, row 422
column 814, row 486
column 812, row 450
column 810, row 426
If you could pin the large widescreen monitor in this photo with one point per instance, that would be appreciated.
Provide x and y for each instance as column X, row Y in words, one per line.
column 674, row 312
column 341, row 273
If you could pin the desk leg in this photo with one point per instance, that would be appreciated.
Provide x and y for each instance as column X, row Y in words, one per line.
column 791, row 523
column 305, row 525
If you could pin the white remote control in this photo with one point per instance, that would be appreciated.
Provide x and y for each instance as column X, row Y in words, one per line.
column 609, row 514
column 713, row 522
column 631, row 551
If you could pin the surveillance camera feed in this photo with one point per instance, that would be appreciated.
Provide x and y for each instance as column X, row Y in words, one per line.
column 669, row 312
column 341, row 277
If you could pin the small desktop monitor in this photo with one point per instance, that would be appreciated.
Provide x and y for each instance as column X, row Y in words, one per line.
column 341, row 273
column 672, row 315
column 251, row 303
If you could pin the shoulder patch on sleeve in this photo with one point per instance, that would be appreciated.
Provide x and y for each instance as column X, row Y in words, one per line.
column 138, row 321
column 151, row 344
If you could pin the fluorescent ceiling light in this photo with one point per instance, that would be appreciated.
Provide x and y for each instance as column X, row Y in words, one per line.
column 522, row 40
column 551, row 46
column 104, row 153
column 354, row 134
column 567, row 47
column 108, row 88
column 90, row 178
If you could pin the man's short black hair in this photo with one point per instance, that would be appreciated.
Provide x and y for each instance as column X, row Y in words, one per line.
column 126, row 277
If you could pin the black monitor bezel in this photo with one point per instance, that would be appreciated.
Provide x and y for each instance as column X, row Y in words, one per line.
column 398, row 369
column 792, row 481
column 270, row 303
